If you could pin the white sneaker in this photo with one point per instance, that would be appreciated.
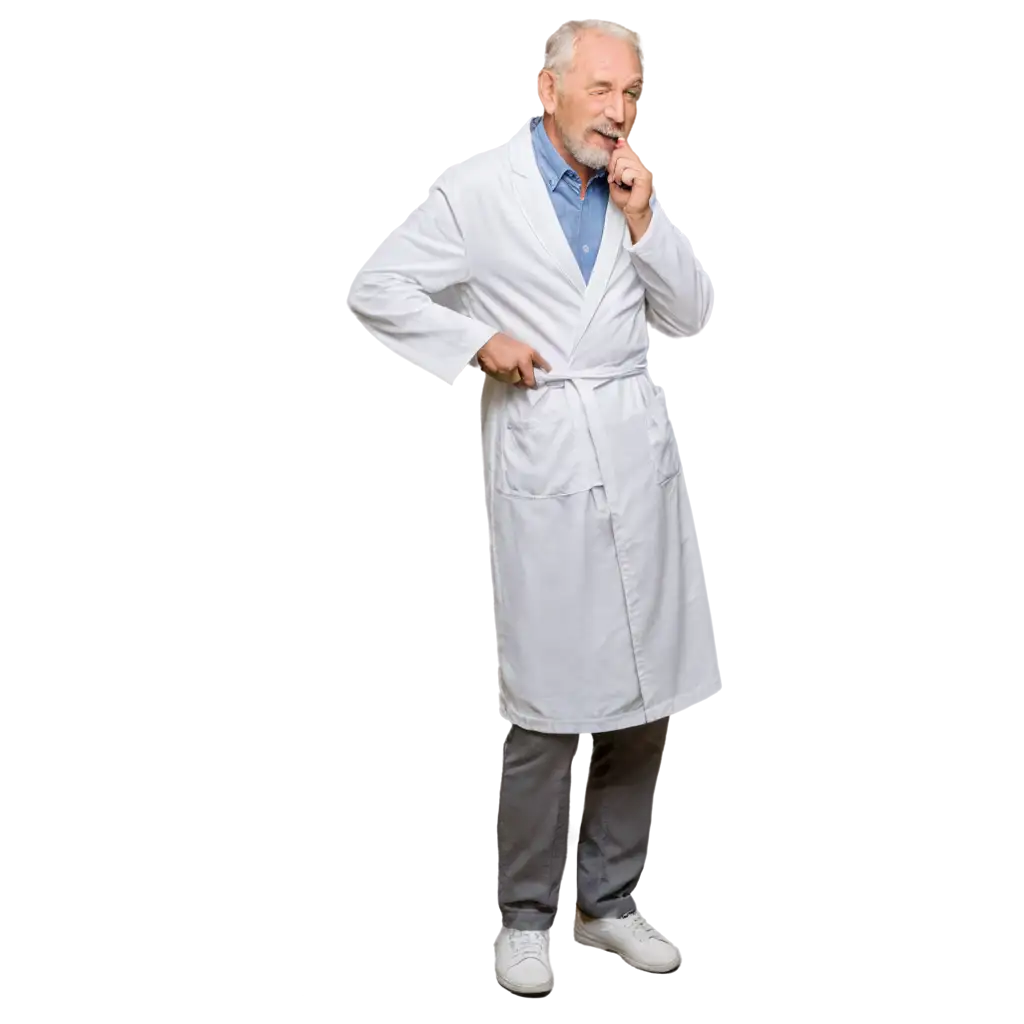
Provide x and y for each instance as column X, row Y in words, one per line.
column 521, row 962
column 631, row 937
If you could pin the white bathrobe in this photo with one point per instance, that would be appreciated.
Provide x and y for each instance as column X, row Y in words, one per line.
column 600, row 606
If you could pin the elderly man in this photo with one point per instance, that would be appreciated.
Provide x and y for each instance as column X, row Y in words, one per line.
column 519, row 265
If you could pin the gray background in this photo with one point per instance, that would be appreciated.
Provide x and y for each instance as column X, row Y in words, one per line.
column 246, row 747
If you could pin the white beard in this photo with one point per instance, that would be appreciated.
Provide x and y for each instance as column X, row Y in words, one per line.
column 590, row 156
column 595, row 157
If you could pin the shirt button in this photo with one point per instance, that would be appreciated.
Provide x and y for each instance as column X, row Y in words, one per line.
column 586, row 248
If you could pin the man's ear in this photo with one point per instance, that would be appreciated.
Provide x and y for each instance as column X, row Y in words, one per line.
column 546, row 87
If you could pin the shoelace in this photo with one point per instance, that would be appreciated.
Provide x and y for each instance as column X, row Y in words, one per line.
column 527, row 943
column 643, row 931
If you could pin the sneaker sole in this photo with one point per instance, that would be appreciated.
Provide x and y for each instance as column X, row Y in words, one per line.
column 585, row 940
column 533, row 991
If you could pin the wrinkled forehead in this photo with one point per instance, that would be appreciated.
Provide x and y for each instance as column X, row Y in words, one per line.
column 607, row 61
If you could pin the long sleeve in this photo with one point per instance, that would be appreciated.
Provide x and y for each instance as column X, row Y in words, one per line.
column 679, row 293
column 391, row 294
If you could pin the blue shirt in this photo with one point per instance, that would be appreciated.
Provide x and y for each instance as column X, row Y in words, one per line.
column 582, row 220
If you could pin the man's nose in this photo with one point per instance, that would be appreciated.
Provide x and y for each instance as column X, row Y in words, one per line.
column 615, row 111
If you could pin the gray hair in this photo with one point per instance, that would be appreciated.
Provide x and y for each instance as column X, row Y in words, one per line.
column 560, row 51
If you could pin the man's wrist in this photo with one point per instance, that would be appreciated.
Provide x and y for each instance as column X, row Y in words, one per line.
column 638, row 223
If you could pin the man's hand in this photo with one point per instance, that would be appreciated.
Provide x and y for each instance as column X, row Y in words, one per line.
column 510, row 361
column 624, row 167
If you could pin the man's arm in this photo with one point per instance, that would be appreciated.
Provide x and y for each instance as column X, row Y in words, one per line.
column 390, row 295
column 679, row 292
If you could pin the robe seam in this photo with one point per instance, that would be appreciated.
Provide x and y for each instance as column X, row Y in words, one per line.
column 620, row 560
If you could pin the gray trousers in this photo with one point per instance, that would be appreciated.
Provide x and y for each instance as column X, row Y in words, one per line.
column 533, row 819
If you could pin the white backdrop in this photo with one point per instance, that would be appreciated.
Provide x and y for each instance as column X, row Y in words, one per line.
column 854, row 422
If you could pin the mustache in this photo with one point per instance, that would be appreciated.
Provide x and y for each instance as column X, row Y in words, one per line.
column 611, row 133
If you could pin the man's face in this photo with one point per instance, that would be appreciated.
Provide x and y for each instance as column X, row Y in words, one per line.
column 599, row 95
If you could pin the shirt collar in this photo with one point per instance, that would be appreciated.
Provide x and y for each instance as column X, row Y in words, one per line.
column 552, row 163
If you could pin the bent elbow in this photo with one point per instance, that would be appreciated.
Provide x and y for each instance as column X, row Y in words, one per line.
column 702, row 301
column 686, row 326
column 357, row 295
column 370, row 295
column 679, row 333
